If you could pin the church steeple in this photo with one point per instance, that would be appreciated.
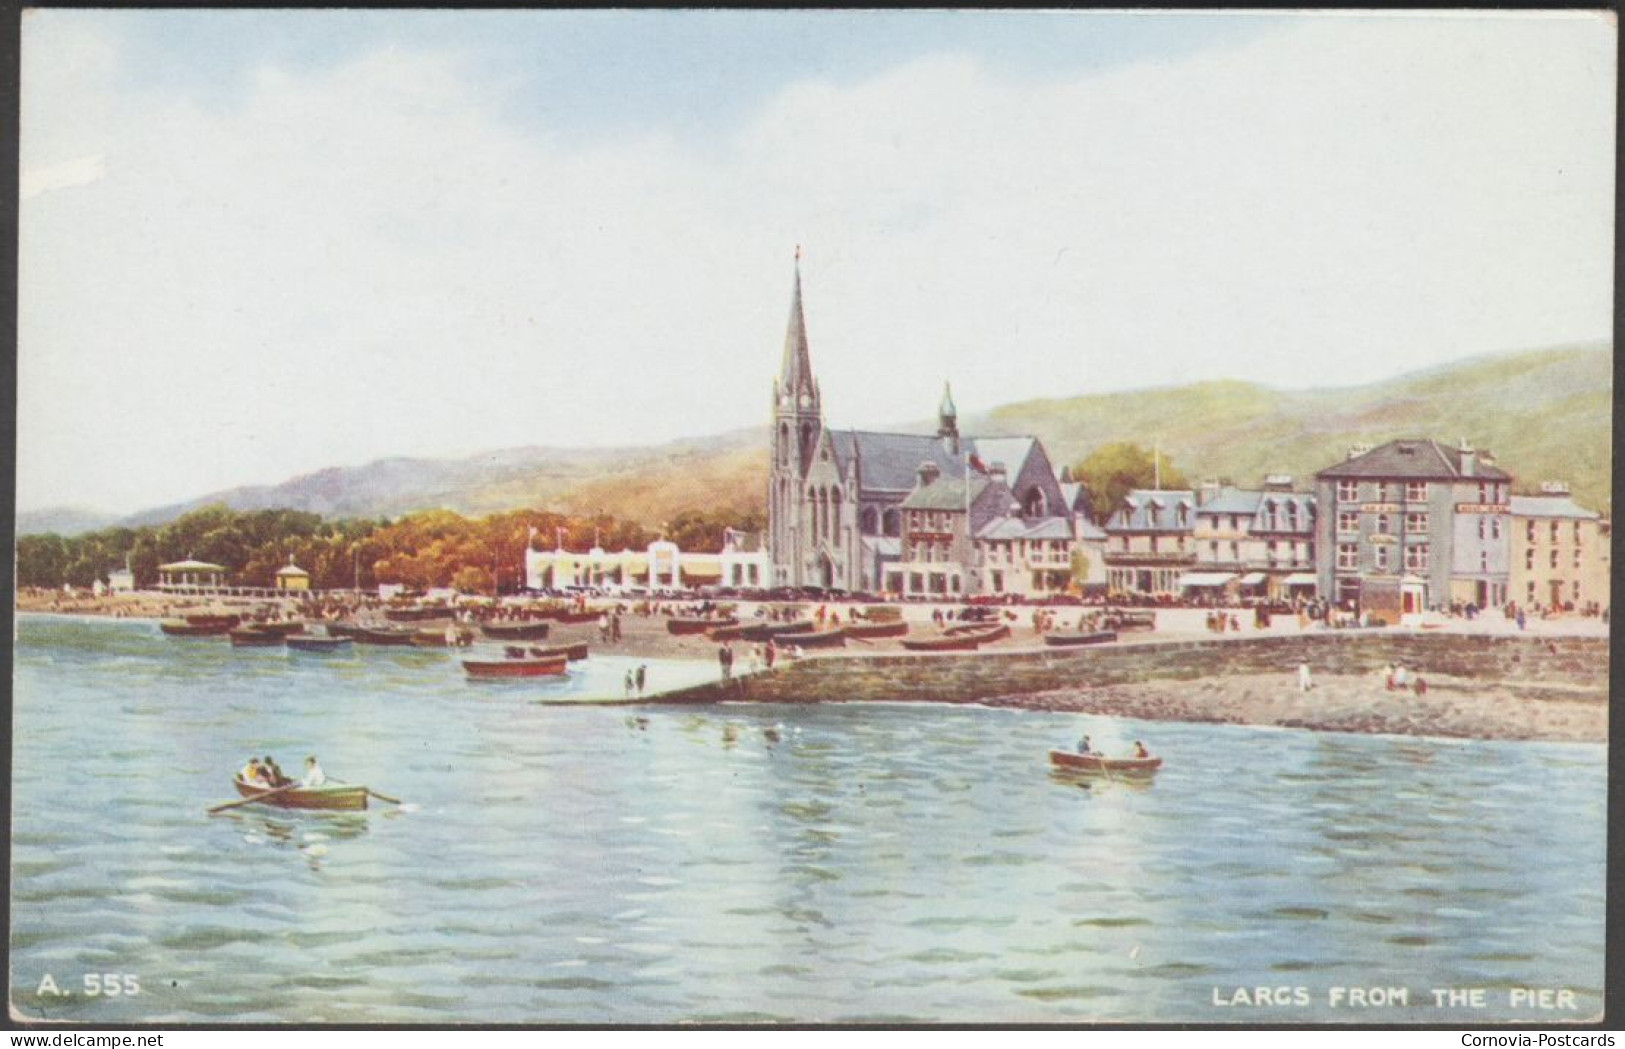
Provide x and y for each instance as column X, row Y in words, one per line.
column 795, row 375
column 947, row 414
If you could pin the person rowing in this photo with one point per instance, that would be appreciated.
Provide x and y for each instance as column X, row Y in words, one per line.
column 1086, row 748
column 1140, row 751
column 253, row 773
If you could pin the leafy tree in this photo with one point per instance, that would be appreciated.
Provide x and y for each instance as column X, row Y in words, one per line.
column 1113, row 470
column 1080, row 568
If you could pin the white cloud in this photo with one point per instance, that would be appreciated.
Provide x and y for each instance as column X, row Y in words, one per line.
column 372, row 260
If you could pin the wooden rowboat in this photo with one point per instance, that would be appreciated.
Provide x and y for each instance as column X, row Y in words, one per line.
column 253, row 637
column 872, row 631
column 577, row 617
column 992, row 631
column 384, row 635
column 682, row 626
column 344, row 629
column 344, row 797
column 514, row 631
column 574, row 653
column 283, row 627
column 771, row 631
column 317, row 643
column 214, row 619
column 942, row 643
column 435, row 637
column 1105, row 766
column 820, row 639
column 552, row 666
column 1065, row 640
column 181, row 628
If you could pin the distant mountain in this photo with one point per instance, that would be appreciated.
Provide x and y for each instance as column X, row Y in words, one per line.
column 63, row 520
column 1545, row 414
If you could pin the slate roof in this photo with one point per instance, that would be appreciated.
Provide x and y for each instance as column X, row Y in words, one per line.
column 891, row 461
column 1089, row 530
column 1135, row 516
column 1411, row 458
column 883, row 545
column 1554, row 506
column 1010, row 528
column 946, row 493
column 1232, row 501
column 1256, row 505
column 1076, row 496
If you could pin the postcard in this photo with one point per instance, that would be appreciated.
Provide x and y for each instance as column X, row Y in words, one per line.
column 812, row 517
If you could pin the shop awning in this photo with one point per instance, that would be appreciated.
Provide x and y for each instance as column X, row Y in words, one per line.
column 1253, row 579
column 1301, row 579
column 1205, row 579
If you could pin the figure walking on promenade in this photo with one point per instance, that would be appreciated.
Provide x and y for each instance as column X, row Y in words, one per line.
column 642, row 677
column 1305, row 682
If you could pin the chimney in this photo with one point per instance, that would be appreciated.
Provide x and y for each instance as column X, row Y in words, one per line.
column 1278, row 482
column 997, row 472
column 1357, row 450
column 1554, row 488
column 1469, row 459
column 928, row 473
column 1208, row 491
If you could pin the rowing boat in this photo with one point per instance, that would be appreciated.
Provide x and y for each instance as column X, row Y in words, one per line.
column 984, row 631
column 577, row 617
column 384, row 635
column 1066, row 759
column 284, row 627
column 574, row 653
column 1094, row 637
column 416, row 613
column 818, row 639
column 552, row 666
column 960, row 641
column 181, row 628
column 773, row 631
column 514, row 631
column 435, row 637
column 214, row 619
column 697, row 625
column 316, row 643
column 874, row 630
column 344, row 797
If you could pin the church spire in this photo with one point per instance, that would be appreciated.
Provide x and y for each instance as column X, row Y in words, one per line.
column 795, row 376
column 947, row 414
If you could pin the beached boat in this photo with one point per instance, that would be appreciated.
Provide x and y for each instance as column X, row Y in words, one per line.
column 181, row 628
column 253, row 637
column 1122, row 621
column 280, row 626
column 571, row 618
column 343, row 797
column 416, row 613
column 875, row 630
column 769, row 631
column 574, row 653
column 942, row 643
column 986, row 631
column 344, row 629
column 317, row 643
column 1068, row 640
column 1103, row 765
column 697, row 625
column 817, row 639
column 514, row 631
column 552, row 666
column 384, row 635
column 225, row 621
column 435, row 637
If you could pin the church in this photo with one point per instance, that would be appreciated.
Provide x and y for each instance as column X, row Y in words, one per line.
column 857, row 510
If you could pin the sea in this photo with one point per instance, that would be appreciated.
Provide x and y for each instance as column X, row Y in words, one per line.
column 839, row 863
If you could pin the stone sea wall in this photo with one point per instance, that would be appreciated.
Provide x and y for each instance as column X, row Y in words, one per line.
column 1533, row 665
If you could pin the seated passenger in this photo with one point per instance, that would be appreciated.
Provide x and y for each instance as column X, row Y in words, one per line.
column 314, row 776
column 1140, row 751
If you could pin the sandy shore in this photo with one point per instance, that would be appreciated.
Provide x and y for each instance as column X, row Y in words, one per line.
column 1452, row 707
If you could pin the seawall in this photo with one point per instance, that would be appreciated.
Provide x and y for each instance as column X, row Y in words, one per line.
column 1532, row 666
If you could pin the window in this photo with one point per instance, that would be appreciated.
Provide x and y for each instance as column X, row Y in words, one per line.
column 1416, row 491
column 1481, row 526
column 1153, row 544
column 1529, row 530
column 1486, row 493
column 1495, row 528
column 1416, row 523
column 1577, row 531
column 1380, row 555
column 1348, row 555
column 1483, row 561
column 1531, row 597
column 1235, row 550
column 1213, row 549
column 1348, row 491
column 1576, row 558
column 1382, row 524
column 1416, row 557
column 1575, row 590
column 1529, row 560
column 1554, row 531
column 1554, row 558
column 1348, row 521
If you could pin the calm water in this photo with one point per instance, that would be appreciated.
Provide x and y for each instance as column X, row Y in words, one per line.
column 878, row 863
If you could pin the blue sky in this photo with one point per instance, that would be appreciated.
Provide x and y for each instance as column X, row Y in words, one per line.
column 268, row 242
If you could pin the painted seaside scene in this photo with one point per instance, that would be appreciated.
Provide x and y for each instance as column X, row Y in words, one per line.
column 812, row 517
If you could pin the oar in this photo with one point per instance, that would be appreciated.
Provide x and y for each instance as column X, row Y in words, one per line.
column 256, row 797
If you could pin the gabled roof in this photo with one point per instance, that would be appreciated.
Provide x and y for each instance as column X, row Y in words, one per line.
column 1136, row 514
column 1089, row 530
column 1407, row 458
column 1553, row 506
column 947, row 493
column 1011, row 528
column 1076, row 496
column 290, row 570
column 191, row 566
column 891, row 461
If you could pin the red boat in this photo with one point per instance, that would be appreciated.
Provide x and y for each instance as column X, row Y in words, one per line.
column 213, row 619
column 820, row 639
column 682, row 626
column 577, row 617
column 873, row 631
column 1103, row 765
column 552, row 666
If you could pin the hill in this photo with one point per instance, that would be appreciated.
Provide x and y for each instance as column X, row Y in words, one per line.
column 1546, row 414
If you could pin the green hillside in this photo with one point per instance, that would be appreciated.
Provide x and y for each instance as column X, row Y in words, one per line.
column 1545, row 414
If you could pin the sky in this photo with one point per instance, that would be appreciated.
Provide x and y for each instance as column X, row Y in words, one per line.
column 257, row 244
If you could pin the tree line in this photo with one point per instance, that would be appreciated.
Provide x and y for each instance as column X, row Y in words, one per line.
column 431, row 548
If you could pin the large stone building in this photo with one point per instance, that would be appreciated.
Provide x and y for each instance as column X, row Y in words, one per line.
column 1560, row 555
column 836, row 498
column 1150, row 542
column 1412, row 525
column 1263, row 540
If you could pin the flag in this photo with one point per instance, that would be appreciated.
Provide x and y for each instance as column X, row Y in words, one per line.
column 977, row 464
